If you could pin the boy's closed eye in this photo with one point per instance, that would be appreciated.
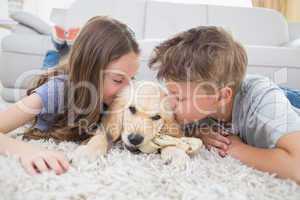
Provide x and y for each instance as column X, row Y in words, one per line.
column 176, row 96
column 180, row 99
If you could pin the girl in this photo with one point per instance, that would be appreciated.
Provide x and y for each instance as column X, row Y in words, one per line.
column 68, row 100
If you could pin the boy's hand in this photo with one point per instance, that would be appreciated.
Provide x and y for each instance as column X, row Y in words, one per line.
column 234, row 147
column 36, row 161
column 211, row 138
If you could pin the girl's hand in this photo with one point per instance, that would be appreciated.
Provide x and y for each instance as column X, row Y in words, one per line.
column 35, row 160
column 211, row 138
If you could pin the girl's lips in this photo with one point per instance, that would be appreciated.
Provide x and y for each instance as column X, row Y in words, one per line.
column 109, row 101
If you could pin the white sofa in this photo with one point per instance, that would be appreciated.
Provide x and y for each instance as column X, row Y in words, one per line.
column 272, row 44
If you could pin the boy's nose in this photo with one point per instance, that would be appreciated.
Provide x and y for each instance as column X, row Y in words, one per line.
column 173, row 103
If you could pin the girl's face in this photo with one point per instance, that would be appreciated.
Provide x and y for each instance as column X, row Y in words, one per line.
column 118, row 74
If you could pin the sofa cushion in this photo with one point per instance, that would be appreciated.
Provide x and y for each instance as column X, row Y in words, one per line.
column 129, row 12
column 21, row 29
column 253, row 26
column 164, row 19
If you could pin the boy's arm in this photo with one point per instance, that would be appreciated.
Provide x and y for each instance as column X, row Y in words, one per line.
column 284, row 160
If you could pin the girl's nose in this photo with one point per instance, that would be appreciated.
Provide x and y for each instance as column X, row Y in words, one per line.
column 128, row 82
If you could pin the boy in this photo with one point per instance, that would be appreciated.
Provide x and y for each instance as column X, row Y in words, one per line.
column 204, row 70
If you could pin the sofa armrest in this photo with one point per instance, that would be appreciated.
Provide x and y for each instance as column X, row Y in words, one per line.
column 280, row 64
column 21, row 29
column 293, row 44
column 27, row 44
column 273, row 56
column 294, row 30
column 32, row 21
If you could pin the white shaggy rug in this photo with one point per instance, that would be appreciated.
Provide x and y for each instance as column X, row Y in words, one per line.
column 122, row 175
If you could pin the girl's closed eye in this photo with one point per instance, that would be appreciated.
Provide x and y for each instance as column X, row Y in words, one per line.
column 118, row 81
column 116, row 78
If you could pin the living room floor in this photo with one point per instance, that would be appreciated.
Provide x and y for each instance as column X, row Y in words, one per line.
column 123, row 175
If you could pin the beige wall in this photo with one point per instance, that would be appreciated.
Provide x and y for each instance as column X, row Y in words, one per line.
column 289, row 8
column 293, row 10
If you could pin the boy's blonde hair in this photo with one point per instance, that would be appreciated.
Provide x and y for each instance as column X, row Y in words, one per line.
column 202, row 54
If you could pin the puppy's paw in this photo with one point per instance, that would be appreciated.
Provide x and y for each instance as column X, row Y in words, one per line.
column 191, row 146
column 85, row 154
column 175, row 156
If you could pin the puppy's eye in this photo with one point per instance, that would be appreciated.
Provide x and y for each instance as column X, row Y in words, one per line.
column 155, row 117
column 132, row 109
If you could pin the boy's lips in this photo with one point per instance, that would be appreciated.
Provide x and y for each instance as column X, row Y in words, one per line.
column 176, row 118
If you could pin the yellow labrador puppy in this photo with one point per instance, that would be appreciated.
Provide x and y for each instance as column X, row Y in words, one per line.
column 142, row 118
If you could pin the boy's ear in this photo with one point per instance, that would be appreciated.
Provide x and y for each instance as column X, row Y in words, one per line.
column 113, row 120
column 225, row 95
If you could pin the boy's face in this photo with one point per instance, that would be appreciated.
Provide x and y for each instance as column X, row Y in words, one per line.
column 190, row 101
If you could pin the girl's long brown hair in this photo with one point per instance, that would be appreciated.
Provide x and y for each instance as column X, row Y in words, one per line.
column 101, row 41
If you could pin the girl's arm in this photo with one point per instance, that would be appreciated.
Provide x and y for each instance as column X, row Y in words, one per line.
column 284, row 160
column 33, row 158
column 20, row 113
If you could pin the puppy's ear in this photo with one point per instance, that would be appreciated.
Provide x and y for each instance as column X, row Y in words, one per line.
column 172, row 128
column 113, row 120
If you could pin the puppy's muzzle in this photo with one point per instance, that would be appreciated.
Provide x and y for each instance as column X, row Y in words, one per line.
column 132, row 149
column 135, row 139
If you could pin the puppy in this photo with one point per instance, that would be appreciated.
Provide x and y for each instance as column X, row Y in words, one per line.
column 143, row 119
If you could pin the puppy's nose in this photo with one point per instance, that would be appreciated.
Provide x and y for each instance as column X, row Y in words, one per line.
column 135, row 139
